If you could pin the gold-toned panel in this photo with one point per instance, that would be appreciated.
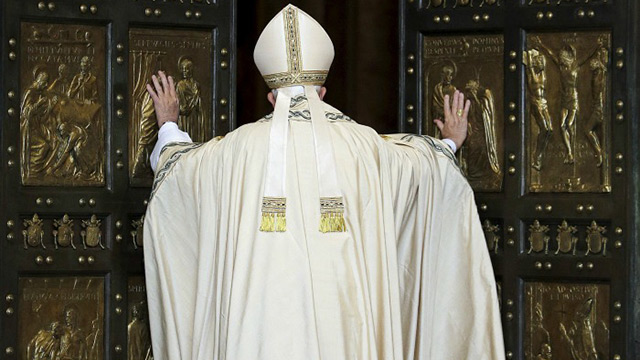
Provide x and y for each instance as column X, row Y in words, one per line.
column 186, row 56
column 472, row 64
column 567, row 238
column 563, row 2
column 138, row 335
column 566, row 321
column 62, row 121
column 61, row 318
column 62, row 232
column 137, row 234
column 567, row 111
column 491, row 235
column 460, row 3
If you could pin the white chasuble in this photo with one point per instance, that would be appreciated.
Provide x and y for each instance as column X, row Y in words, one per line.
column 410, row 278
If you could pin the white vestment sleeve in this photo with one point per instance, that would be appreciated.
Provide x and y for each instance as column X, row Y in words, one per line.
column 451, row 144
column 168, row 133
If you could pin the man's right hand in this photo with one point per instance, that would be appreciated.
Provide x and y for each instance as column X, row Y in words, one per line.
column 165, row 100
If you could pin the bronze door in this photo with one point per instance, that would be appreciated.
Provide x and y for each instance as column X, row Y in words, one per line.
column 77, row 129
column 550, row 155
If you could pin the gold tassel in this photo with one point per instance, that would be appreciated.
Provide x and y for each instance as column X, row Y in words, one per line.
column 274, row 214
column 281, row 222
column 332, row 215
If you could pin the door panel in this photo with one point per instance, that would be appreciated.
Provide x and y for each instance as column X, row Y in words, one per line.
column 76, row 129
column 548, row 156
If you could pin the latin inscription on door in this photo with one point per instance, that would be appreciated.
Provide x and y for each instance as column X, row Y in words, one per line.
column 566, row 321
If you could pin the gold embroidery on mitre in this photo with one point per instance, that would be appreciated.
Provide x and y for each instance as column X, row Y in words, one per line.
column 274, row 214
column 332, row 214
column 295, row 75
column 284, row 79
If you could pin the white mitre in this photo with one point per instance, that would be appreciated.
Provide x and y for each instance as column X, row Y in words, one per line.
column 294, row 50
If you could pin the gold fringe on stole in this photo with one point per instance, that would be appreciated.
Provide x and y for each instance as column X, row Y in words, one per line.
column 274, row 214
column 332, row 214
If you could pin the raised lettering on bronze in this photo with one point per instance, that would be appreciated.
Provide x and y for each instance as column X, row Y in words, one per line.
column 62, row 105
column 566, row 112
column 460, row 3
column 184, row 55
column 61, row 318
column 566, row 321
column 473, row 65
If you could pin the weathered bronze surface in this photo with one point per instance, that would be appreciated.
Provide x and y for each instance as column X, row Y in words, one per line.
column 566, row 241
column 472, row 64
column 62, row 110
column 187, row 2
column 460, row 3
column 561, row 2
column 491, row 235
column 61, row 318
column 583, row 238
column 538, row 238
column 138, row 335
column 91, row 233
column 63, row 234
column 186, row 56
column 566, row 321
column 567, row 113
column 596, row 242
column 33, row 234
column 138, row 232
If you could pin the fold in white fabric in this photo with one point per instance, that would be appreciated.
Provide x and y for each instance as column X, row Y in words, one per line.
column 411, row 279
column 275, row 180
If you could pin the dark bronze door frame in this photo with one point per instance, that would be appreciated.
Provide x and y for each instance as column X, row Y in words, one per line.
column 76, row 132
column 563, row 232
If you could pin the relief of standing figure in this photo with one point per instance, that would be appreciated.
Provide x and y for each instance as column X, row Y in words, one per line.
column 45, row 345
column 192, row 119
column 479, row 154
column 536, row 82
column 72, row 342
column 84, row 86
column 595, row 124
column 138, row 334
column 579, row 333
column 36, row 124
column 444, row 87
column 60, row 86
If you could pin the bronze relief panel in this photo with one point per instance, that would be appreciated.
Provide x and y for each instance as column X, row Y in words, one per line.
column 138, row 334
column 460, row 3
column 61, row 318
column 567, row 111
column 63, row 232
column 472, row 64
column 62, row 115
column 570, row 238
column 563, row 2
column 566, row 321
column 186, row 55
column 492, row 233
column 137, row 232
